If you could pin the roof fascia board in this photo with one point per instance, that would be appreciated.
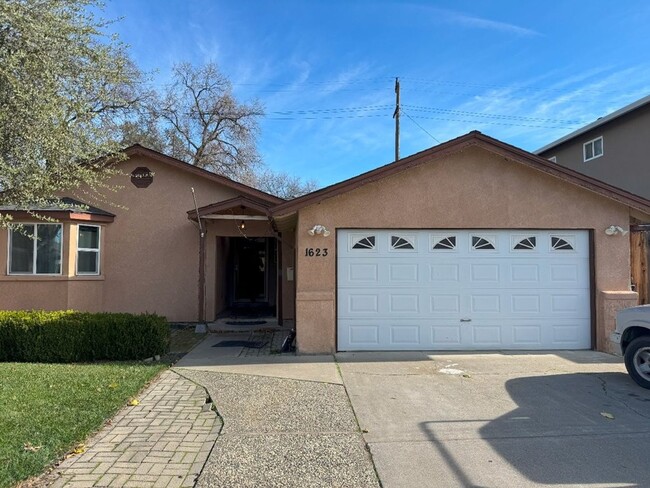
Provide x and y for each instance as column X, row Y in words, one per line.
column 230, row 203
column 58, row 215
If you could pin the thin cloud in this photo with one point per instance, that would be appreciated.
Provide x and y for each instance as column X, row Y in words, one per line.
column 487, row 24
column 344, row 78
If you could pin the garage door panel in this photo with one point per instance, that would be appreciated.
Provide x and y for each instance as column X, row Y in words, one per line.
column 465, row 297
column 444, row 304
column 525, row 274
column 482, row 303
column 445, row 336
column 525, row 303
column 481, row 273
column 362, row 272
column 362, row 335
column 363, row 304
column 527, row 335
column 570, row 333
column 405, row 335
column 448, row 273
column 487, row 335
column 404, row 303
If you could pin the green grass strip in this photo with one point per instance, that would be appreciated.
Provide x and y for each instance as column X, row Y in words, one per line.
column 47, row 409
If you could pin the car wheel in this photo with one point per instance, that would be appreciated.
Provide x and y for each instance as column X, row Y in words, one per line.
column 637, row 360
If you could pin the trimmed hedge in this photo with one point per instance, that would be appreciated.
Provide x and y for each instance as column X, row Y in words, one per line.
column 69, row 336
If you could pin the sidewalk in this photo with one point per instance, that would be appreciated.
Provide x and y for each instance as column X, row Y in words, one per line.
column 287, row 420
column 161, row 443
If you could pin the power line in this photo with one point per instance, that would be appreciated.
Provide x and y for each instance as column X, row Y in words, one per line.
column 428, row 81
column 326, row 117
column 425, row 131
column 333, row 110
column 419, row 108
column 493, row 122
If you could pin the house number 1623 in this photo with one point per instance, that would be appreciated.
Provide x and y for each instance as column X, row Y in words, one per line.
column 311, row 252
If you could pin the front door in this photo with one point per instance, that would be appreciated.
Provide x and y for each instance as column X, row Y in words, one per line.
column 250, row 269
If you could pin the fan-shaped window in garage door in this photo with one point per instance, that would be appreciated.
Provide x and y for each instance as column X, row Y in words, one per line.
column 482, row 243
column 443, row 243
column 525, row 244
column 398, row 242
column 367, row 242
column 563, row 243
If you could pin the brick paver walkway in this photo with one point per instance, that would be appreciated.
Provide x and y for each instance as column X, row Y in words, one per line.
column 162, row 442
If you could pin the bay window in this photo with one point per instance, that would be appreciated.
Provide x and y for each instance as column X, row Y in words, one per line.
column 36, row 249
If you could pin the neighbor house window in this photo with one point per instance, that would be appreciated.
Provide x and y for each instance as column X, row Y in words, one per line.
column 593, row 149
column 36, row 249
column 88, row 250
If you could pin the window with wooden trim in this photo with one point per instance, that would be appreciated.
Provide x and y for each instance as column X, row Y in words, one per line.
column 36, row 249
column 88, row 249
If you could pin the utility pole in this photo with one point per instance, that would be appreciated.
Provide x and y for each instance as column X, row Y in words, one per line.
column 396, row 117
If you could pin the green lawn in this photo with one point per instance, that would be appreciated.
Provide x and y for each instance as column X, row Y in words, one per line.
column 47, row 409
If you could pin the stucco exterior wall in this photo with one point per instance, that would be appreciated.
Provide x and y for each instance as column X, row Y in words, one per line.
column 472, row 188
column 152, row 258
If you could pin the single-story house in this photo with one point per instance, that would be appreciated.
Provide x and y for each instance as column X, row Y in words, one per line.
column 470, row 245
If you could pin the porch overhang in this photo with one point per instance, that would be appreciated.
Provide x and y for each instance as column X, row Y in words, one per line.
column 238, row 208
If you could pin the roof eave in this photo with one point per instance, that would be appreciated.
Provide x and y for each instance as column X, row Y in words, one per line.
column 239, row 201
column 139, row 150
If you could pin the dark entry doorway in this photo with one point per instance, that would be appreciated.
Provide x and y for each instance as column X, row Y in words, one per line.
column 250, row 265
column 252, row 276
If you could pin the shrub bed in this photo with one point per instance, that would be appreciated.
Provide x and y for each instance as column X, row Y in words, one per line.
column 69, row 336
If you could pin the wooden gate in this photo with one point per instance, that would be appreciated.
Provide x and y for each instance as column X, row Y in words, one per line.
column 639, row 258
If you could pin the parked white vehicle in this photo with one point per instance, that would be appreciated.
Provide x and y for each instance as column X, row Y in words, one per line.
column 633, row 334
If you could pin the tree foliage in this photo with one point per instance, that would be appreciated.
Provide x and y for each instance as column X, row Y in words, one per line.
column 197, row 119
column 64, row 86
column 279, row 183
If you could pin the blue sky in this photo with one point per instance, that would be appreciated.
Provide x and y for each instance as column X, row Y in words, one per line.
column 521, row 71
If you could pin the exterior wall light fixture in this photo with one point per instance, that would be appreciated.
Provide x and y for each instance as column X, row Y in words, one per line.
column 319, row 230
column 612, row 230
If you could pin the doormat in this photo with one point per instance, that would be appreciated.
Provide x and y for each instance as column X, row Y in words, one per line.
column 250, row 344
column 246, row 322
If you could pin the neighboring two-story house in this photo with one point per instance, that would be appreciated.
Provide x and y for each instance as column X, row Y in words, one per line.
column 615, row 149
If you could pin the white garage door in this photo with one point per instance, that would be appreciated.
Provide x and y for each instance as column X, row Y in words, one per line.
column 463, row 290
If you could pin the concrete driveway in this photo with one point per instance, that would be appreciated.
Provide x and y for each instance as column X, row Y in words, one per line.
column 564, row 419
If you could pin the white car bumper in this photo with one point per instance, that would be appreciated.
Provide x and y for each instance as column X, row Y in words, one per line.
column 615, row 337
